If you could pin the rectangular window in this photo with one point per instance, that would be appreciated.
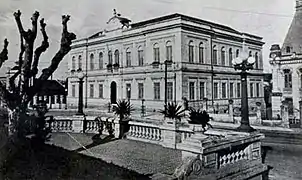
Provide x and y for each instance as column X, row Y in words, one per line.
column 192, row 90
column 201, row 90
column 251, row 89
column 238, row 90
column 215, row 90
column 231, row 90
column 73, row 91
column 128, row 59
column 128, row 91
column 140, row 57
column 258, row 90
column 223, row 90
column 157, row 91
column 91, row 90
column 140, row 90
column 101, row 91
column 52, row 99
column 169, row 53
column 169, row 91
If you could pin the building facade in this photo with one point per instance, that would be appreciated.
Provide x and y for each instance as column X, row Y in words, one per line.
column 127, row 61
column 286, row 64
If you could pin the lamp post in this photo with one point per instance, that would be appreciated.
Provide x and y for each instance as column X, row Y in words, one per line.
column 80, row 75
column 244, row 63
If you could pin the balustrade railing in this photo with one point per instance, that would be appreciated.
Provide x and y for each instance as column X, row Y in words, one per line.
column 144, row 132
column 61, row 125
column 232, row 156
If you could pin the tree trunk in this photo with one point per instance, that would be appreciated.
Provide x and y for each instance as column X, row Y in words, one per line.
column 17, row 122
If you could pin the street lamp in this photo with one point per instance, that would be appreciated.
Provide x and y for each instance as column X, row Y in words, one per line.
column 80, row 75
column 244, row 63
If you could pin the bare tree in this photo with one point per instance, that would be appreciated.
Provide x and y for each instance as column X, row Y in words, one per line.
column 20, row 92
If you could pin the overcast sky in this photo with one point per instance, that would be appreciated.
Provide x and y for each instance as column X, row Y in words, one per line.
column 267, row 18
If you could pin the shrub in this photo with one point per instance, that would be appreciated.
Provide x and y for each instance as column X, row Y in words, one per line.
column 199, row 117
column 173, row 111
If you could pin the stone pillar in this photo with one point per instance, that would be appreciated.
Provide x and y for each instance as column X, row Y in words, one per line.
column 116, row 127
column 276, row 104
column 77, row 123
column 300, row 108
column 34, row 100
column 295, row 92
column 258, row 113
column 284, row 114
column 169, row 134
column 231, row 110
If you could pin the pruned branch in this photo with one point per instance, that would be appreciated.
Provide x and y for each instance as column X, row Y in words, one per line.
column 19, row 23
column 4, row 53
column 34, row 21
column 66, row 41
column 42, row 48
column 65, row 47
column 22, row 49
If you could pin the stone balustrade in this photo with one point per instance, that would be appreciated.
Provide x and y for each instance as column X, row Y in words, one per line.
column 62, row 124
column 146, row 132
column 75, row 124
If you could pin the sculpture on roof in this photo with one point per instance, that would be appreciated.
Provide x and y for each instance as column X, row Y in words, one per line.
column 117, row 22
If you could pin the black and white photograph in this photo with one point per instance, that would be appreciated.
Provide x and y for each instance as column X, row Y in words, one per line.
column 151, row 90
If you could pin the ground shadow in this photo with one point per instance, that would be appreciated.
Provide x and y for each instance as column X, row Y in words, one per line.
column 52, row 162
column 97, row 140
column 264, row 150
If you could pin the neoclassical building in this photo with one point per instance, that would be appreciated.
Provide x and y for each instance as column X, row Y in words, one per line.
column 127, row 61
column 286, row 63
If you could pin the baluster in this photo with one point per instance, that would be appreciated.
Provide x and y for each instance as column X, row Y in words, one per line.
column 152, row 134
column 66, row 125
column 131, row 131
column 159, row 134
column 148, row 136
column 143, row 132
column 58, row 125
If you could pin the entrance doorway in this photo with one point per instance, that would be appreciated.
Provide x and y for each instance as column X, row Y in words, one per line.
column 113, row 92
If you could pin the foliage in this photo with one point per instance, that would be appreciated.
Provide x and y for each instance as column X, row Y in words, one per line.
column 123, row 108
column 173, row 111
column 199, row 117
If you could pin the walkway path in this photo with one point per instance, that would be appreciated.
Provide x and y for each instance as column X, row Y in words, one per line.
column 141, row 157
column 148, row 158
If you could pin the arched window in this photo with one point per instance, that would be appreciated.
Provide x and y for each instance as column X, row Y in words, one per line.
column 128, row 57
column 101, row 61
column 191, row 52
column 91, row 62
column 256, row 61
column 215, row 55
column 237, row 53
column 110, row 57
column 230, row 57
column 116, row 57
column 169, row 51
column 156, row 52
column 140, row 53
column 287, row 78
column 201, row 53
column 223, row 56
column 80, row 62
column 73, row 61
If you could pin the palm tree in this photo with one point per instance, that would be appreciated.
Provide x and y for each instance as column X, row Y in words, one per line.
column 123, row 109
column 173, row 111
column 200, row 117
